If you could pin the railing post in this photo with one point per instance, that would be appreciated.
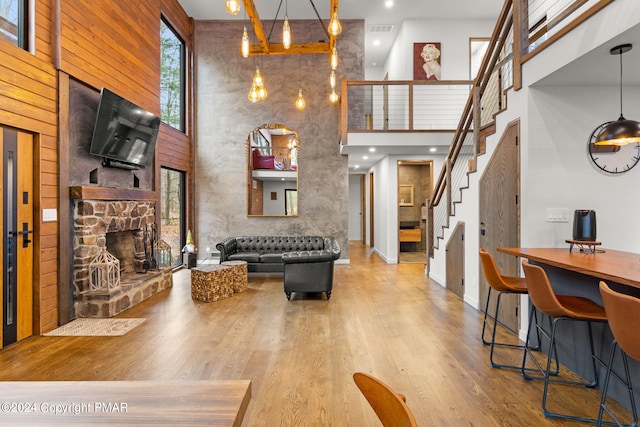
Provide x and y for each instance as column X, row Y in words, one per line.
column 520, row 39
column 410, row 106
column 448, row 167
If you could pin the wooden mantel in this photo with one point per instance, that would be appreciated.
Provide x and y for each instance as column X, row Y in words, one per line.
column 108, row 193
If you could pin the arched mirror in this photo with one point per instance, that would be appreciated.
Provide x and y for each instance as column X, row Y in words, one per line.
column 272, row 171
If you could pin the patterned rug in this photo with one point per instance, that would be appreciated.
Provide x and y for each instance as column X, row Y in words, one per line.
column 86, row 327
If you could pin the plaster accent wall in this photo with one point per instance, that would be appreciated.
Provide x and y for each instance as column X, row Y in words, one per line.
column 225, row 116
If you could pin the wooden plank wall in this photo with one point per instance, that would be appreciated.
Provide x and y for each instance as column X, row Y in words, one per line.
column 101, row 43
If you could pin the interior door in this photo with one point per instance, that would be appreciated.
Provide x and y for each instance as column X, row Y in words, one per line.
column 500, row 218
column 455, row 261
column 17, row 232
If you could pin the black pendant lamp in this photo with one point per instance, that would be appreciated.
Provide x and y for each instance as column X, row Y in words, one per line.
column 622, row 131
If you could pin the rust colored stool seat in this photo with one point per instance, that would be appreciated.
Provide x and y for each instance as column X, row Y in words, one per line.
column 559, row 308
column 211, row 282
column 239, row 270
column 389, row 406
column 623, row 312
column 502, row 285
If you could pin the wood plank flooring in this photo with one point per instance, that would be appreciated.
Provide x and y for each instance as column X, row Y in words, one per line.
column 387, row 320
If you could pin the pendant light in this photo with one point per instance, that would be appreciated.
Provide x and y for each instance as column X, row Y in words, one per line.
column 245, row 43
column 622, row 131
column 332, row 79
column 334, row 24
column 333, row 97
column 253, row 96
column 300, row 104
column 333, row 58
column 232, row 6
column 286, row 29
column 258, row 81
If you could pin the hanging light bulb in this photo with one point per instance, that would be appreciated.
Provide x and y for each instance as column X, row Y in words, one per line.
column 300, row 104
column 257, row 77
column 286, row 33
column 332, row 79
column 245, row 43
column 333, row 59
column 254, row 96
column 232, row 6
column 334, row 24
column 334, row 96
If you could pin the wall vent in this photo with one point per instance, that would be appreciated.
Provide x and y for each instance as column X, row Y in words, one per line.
column 380, row 28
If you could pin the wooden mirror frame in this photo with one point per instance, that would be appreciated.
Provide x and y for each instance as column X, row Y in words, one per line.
column 272, row 170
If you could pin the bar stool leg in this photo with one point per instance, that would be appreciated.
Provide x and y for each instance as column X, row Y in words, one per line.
column 533, row 320
column 605, row 387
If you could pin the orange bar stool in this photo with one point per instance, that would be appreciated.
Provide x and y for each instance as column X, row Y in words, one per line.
column 623, row 312
column 502, row 285
column 559, row 308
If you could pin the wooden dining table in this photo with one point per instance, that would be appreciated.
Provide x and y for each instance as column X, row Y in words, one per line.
column 606, row 264
column 125, row 403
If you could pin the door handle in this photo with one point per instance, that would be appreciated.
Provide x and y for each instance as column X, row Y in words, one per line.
column 483, row 230
column 25, row 234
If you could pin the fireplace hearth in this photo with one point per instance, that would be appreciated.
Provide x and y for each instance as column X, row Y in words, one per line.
column 118, row 229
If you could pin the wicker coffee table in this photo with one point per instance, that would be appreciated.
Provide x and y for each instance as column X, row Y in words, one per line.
column 211, row 282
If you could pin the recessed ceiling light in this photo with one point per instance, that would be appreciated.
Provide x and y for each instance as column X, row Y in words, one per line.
column 376, row 42
column 433, row 149
column 389, row 4
column 356, row 167
column 371, row 150
column 365, row 157
column 373, row 64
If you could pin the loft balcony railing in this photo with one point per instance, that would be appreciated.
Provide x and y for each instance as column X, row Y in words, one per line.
column 403, row 106
column 523, row 29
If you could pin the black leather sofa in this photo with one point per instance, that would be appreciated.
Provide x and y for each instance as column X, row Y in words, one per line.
column 306, row 261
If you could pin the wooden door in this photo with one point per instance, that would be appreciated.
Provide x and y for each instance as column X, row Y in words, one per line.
column 455, row 261
column 17, row 232
column 371, row 210
column 500, row 218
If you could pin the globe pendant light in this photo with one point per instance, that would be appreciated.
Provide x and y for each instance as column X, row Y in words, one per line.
column 245, row 43
column 232, row 6
column 622, row 131
column 334, row 24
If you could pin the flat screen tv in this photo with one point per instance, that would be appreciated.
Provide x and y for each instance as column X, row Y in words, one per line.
column 124, row 134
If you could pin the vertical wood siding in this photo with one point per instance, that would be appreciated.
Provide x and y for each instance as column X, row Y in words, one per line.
column 102, row 43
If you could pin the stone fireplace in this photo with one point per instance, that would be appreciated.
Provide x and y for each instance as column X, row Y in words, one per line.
column 126, row 230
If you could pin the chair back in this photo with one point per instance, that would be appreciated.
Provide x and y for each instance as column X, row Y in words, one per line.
column 623, row 314
column 540, row 291
column 388, row 405
column 491, row 272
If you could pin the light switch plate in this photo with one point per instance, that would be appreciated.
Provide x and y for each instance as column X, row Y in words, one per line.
column 49, row 215
column 557, row 215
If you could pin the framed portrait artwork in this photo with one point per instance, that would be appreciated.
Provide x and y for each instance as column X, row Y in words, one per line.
column 426, row 61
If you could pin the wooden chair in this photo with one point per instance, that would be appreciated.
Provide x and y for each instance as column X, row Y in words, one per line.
column 559, row 308
column 389, row 406
column 502, row 285
column 623, row 313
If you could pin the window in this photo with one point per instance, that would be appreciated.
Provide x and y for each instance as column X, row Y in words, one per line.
column 13, row 22
column 172, row 77
column 172, row 211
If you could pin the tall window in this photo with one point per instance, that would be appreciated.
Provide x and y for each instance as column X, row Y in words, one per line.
column 172, row 77
column 172, row 202
column 13, row 22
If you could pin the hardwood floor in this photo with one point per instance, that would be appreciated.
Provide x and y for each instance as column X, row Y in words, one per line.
column 387, row 320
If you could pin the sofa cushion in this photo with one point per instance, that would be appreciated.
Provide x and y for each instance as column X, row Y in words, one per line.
column 271, row 258
column 307, row 256
column 245, row 256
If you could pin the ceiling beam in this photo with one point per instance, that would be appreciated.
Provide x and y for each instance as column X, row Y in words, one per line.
column 265, row 48
column 296, row 48
column 258, row 29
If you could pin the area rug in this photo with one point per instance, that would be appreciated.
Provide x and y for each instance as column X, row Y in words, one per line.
column 95, row 328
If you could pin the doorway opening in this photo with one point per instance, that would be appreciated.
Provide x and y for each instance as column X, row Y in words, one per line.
column 415, row 186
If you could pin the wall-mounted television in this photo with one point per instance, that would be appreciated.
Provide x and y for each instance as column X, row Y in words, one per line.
column 124, row 134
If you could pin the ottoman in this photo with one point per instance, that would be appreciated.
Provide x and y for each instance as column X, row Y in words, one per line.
column 240, row 274
column 211, row 282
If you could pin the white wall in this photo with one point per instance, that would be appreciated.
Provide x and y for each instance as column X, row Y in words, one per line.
column 454, row 38
column 355, row 210
column 275, row 207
